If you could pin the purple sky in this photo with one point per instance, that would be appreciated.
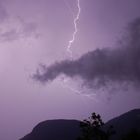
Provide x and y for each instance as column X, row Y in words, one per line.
column 34, row 32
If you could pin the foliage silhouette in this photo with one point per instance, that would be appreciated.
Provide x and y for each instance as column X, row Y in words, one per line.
column 92, row 129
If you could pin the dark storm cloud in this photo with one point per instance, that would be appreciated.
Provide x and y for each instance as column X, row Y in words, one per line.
column 121, row 64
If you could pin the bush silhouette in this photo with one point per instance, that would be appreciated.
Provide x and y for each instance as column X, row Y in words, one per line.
column 91, row 128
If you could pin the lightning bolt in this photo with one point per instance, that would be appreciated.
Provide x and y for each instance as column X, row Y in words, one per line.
column 68, row 49
column 78, row 92
column 75, row 29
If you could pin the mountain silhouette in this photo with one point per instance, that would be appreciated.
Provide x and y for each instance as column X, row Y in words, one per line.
column 125, row 124
column 55, row 130
column 70, row 129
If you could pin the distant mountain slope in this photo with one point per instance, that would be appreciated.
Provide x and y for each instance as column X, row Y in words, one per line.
column 70, row 130
column 55, row 130
column 125, row 123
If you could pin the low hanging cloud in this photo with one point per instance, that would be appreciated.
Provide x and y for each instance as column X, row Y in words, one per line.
column 16, row 28
column 121, row 64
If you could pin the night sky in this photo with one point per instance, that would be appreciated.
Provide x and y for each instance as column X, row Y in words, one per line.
column 39, row 80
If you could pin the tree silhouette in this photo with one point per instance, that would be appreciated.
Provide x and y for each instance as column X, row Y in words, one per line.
column 92, row 128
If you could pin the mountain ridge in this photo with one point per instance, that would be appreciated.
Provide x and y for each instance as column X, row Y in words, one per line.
column 63, row 129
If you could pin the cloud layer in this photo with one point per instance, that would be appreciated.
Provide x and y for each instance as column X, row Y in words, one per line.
column 3, row 13
column 121, row 64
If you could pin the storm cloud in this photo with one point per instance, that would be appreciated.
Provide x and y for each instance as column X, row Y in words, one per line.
column 119, row 64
